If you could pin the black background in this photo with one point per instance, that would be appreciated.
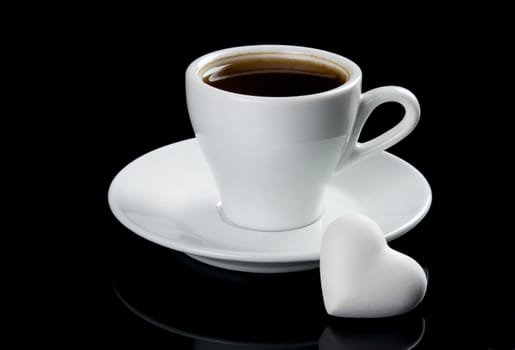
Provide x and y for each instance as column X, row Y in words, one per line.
column 450, row 61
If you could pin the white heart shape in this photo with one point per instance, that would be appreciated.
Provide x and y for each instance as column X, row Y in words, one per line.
column 362, row 276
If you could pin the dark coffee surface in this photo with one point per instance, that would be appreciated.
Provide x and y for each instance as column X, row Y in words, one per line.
column 275, row 77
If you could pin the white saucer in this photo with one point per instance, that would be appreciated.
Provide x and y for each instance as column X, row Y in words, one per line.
column 169, row 197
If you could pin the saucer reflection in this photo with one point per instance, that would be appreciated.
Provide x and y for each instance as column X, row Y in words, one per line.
column 209, row 342
column 342, row 334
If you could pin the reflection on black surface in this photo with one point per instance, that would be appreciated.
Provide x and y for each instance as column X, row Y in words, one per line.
column 211, row 308
column 203, row 342
column 379, row 334
column 403, row 333
column 187, row 295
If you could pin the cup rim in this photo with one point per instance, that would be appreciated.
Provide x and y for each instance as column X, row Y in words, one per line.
column 199, row 65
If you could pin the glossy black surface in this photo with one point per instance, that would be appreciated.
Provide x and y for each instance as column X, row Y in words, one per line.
column 162, row 299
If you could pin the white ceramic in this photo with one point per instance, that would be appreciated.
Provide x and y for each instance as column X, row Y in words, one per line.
column 168, row 196
column 272, row 157
column 362, row 276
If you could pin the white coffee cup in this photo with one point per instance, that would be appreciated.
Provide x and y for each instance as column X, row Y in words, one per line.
column 272, row 157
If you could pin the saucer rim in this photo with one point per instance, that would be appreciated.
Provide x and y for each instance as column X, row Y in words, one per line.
column 256, row 257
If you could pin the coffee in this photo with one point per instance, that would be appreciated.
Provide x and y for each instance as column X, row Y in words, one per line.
column 275, row 76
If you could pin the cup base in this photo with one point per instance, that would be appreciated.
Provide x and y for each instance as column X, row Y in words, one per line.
column 220, row 211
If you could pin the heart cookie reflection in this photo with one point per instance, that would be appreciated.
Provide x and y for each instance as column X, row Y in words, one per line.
column 380, row 335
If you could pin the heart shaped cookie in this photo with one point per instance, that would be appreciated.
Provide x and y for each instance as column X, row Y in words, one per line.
column 362, row 276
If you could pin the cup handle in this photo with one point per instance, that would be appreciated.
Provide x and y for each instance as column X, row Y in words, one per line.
column 369, row 101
